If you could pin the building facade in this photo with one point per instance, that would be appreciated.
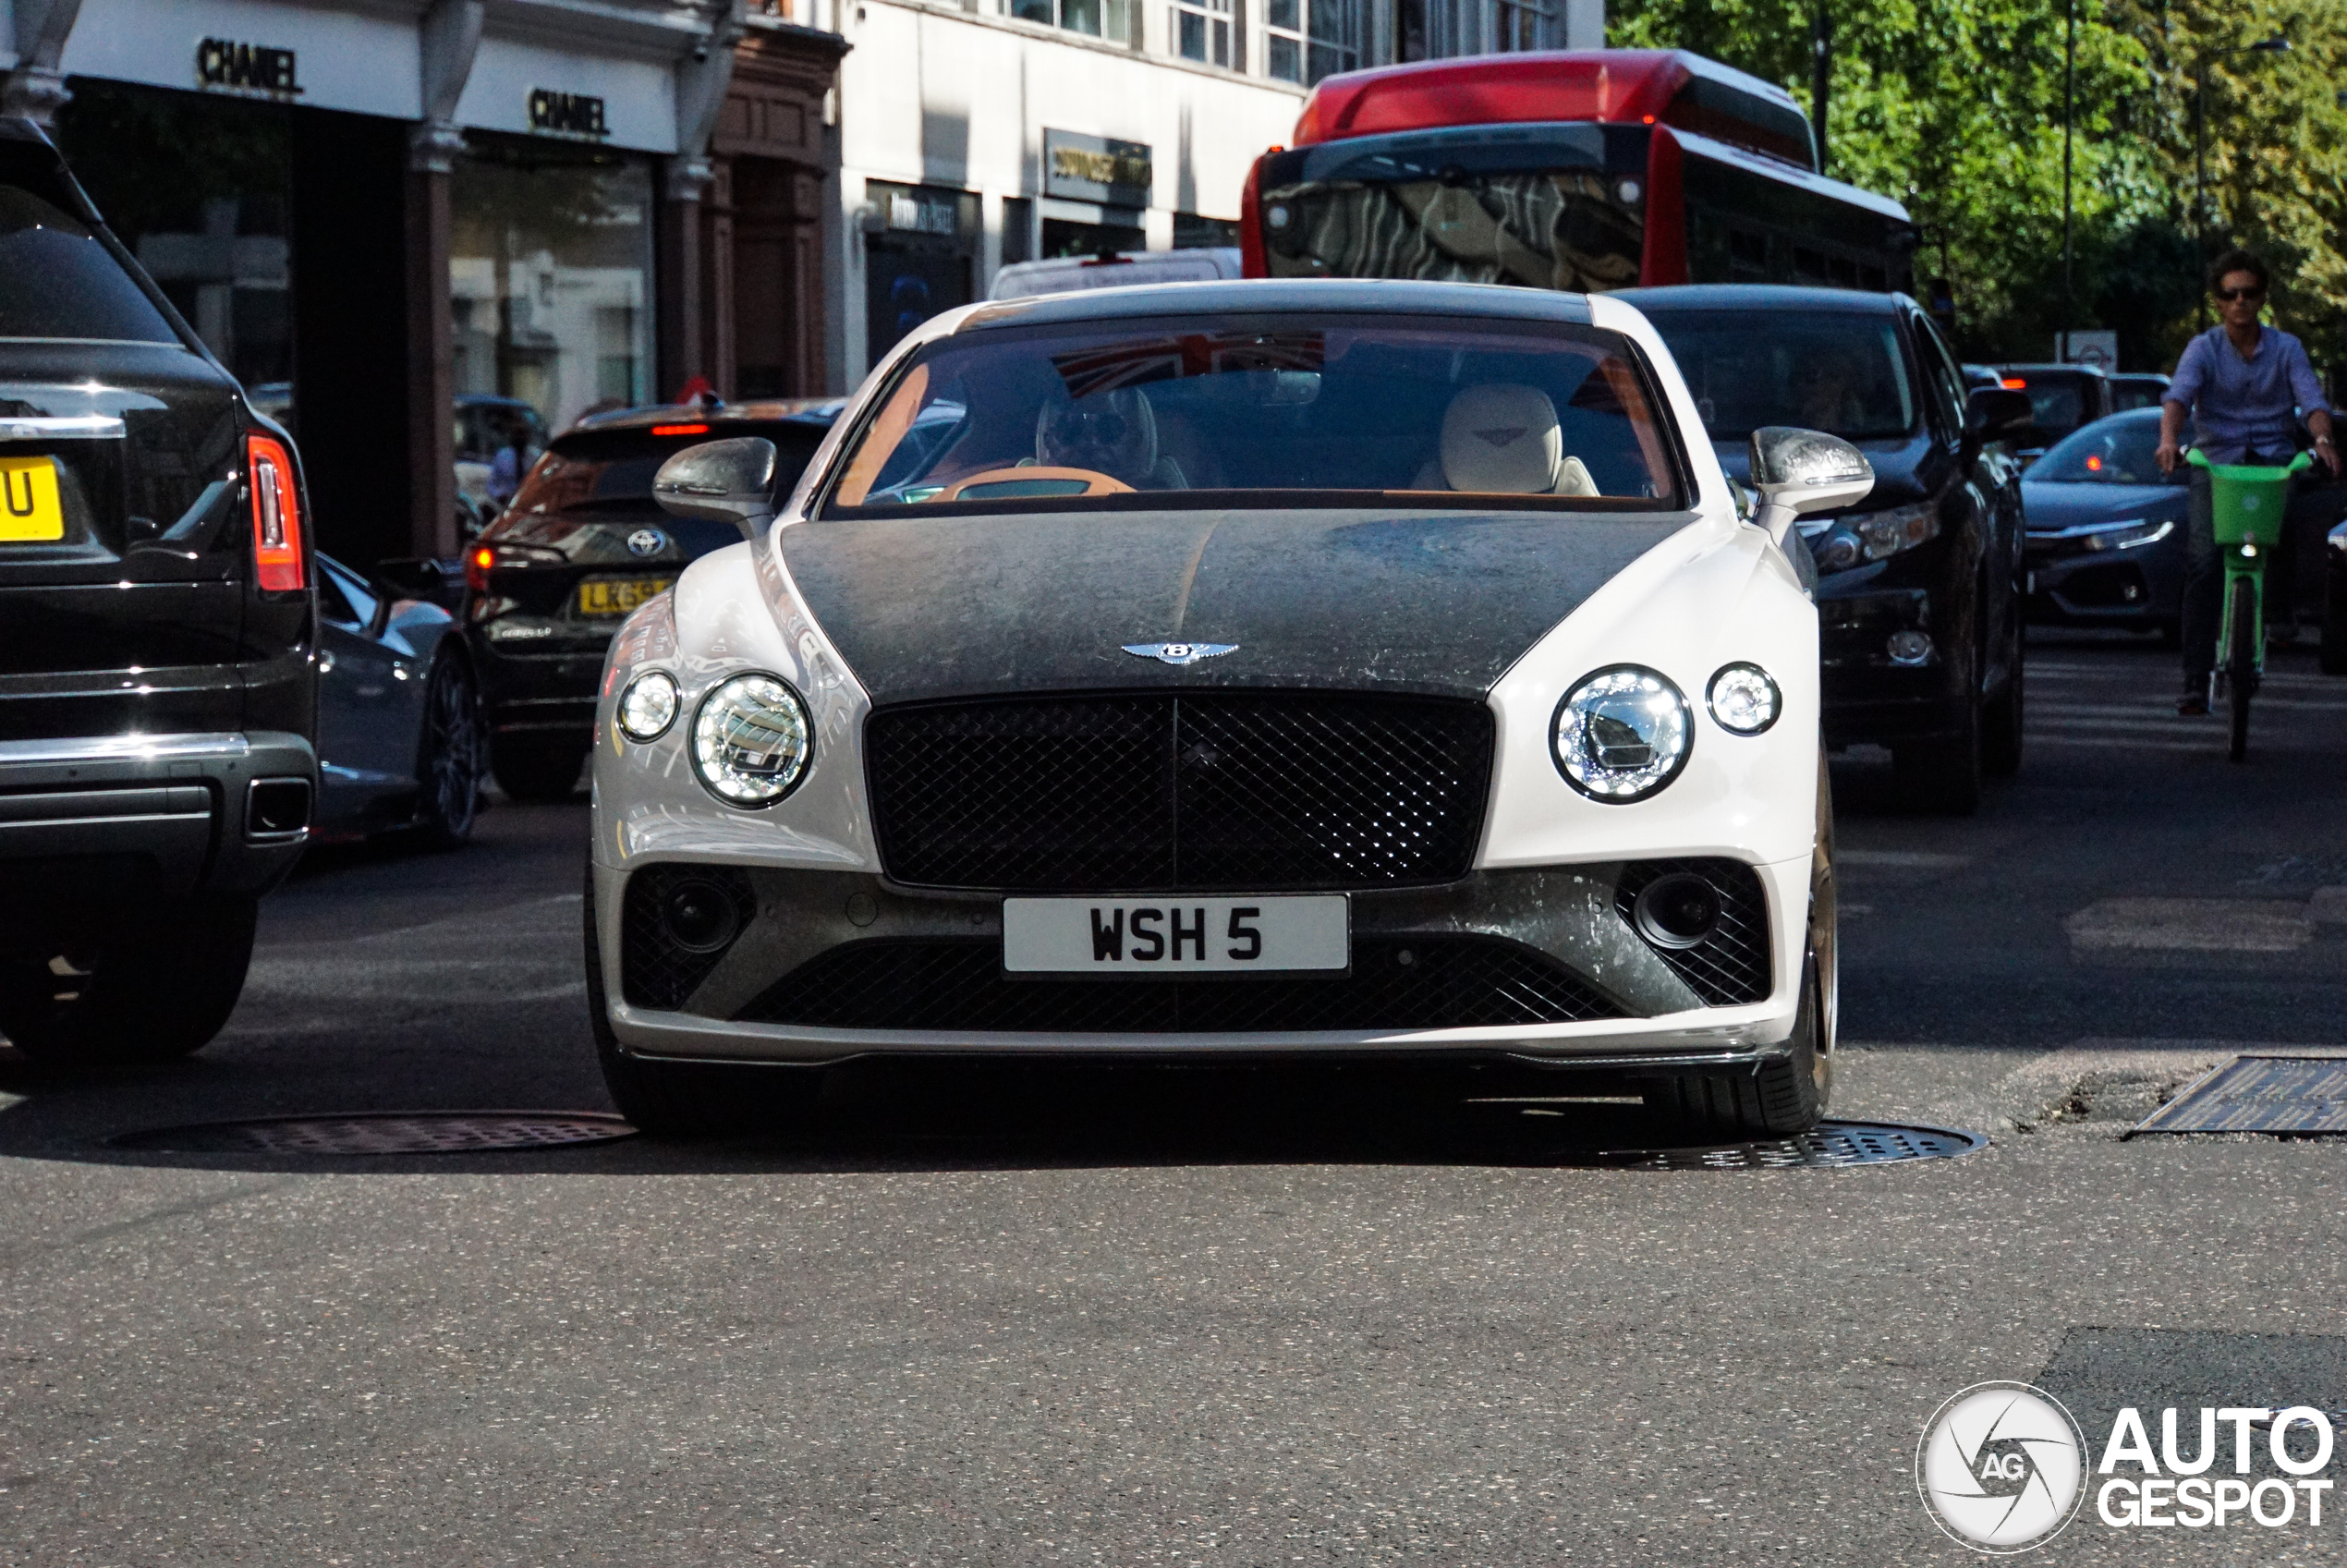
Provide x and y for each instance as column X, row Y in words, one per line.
column 421, row 230
column 994, row 131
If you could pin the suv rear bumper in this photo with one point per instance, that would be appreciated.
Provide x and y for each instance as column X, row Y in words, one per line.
column 87, row 821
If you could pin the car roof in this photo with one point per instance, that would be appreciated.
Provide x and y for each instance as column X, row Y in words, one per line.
column 1762, row 296
column 1231, row 295
column 818, row 411
column 2044, row 369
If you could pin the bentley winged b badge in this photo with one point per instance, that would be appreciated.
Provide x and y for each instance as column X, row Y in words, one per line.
column 1180, row 652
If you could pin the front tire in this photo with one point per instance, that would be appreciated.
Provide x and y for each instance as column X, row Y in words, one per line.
column 2004, row 716
column 156, row 988
column 2241, row 666
column 535, row 770
column 1782, row 1096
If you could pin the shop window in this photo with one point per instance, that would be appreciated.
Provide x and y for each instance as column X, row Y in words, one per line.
column 1204, row 31
column 1194, row 233
column 1111, row 19
column 200, row 190
column 1310, row 39
column 549, row 277
column 1063, row 239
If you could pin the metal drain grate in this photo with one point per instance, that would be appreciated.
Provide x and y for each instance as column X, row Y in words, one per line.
column 385, row 1132
column 2259, row 1094
column 1832, row 1144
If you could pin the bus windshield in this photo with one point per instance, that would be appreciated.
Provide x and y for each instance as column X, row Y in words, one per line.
column 1842, row 374
column 1268, row 411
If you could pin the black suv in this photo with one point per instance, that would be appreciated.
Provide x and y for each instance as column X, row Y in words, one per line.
column 1919, row 608
column 582, row 544
column 158, row 696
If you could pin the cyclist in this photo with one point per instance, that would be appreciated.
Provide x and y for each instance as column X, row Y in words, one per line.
column 2245, row 385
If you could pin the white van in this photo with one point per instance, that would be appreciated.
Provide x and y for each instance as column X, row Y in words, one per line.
column 1021, row 279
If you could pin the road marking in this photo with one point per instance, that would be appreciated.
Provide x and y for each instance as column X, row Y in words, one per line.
column 2198, row 925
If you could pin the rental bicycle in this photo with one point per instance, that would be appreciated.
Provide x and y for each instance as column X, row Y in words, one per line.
column 2245, row 505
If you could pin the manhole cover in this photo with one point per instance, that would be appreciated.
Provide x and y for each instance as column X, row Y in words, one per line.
column 385, row 1132
column 2259, row 1094
column 1831, row 1143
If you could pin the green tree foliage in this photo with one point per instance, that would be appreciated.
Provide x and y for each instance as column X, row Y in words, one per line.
column 1955, row 107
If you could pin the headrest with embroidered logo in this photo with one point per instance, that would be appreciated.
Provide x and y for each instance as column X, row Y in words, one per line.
column 1502, row 440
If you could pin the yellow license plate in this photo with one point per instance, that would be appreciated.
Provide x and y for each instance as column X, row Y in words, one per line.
column 608, row 597
column 29, row 505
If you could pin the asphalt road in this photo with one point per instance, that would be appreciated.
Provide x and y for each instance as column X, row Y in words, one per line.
column 1204, row 1318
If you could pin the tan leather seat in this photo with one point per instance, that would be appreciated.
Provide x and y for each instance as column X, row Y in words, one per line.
column 1503, row 439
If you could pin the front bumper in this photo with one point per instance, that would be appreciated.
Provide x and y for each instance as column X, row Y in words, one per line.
column 2134, row 588
column 793, row 919
column 87, row 822
column 1871, row 698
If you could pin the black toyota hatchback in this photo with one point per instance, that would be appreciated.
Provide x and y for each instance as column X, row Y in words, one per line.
column 581, row 545
column 1919, row 601
column 158, row 696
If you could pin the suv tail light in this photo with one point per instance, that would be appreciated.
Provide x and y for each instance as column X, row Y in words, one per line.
column 276, row 515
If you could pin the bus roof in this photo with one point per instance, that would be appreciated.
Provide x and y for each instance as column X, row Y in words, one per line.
column 1669, row 86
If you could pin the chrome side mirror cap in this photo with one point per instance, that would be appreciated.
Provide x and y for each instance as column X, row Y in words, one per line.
column 723, row 482
column 1800, row 471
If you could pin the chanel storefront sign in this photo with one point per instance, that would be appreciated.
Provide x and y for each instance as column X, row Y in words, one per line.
column 225, row 65
column 1095, row 168
column 567, row 113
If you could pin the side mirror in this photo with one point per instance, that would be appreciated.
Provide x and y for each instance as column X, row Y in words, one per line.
column 1992, row 412
column 1800, row 471
column 723, row 482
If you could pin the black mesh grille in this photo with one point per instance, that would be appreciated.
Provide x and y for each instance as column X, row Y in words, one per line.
column 1396, row 983
column 1251, row 790
column 1731, row 965
column 657, row 970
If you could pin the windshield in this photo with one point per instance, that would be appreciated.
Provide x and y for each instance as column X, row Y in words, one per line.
column 2056, row 403
column 2114, row 451
column 1842, row 374
column 1274, row 411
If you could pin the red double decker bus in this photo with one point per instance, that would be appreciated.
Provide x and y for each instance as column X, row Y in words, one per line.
column 1586, row 171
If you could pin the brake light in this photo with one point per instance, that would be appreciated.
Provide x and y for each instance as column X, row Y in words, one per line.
column 276, row 515
column 2014, row 383
column 680, row 430
column 2093, row 465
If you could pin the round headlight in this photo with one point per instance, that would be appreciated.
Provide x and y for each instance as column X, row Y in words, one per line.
column 1743, row 698
column 1621, row 735
column 648, row 707
column 751, row 740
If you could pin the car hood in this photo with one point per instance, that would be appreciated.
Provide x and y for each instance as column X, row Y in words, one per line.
column 1435, row 602
column 2051, row 506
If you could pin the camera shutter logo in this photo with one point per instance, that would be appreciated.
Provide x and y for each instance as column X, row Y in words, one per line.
column 2002, row 1468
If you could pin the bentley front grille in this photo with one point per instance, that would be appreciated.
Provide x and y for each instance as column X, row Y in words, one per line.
column 1242, row 791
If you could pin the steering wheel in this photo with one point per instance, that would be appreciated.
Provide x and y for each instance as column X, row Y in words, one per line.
column 1034, row 481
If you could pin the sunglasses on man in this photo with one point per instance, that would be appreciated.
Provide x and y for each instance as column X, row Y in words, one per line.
column 2229, row 295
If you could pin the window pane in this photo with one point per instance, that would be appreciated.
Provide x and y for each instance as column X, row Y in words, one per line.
column 1222, row 41
column 1321, row 410
column 1081, row 16
column 1283, row 60
column 58, row 281
column 1283, row 13
column 550, row 267
column 1193, row 36
column 1033, row 11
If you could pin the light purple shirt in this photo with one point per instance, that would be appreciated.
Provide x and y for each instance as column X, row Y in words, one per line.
column 2242, row 406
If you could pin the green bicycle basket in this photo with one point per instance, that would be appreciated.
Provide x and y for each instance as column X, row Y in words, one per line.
column 2248, row 500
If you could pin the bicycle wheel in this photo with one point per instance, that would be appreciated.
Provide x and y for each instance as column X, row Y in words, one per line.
column 2241, row 662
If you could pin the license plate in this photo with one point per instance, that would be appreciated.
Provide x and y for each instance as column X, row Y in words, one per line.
column 29, row 505
column 1166, row 935
column 610, row 596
